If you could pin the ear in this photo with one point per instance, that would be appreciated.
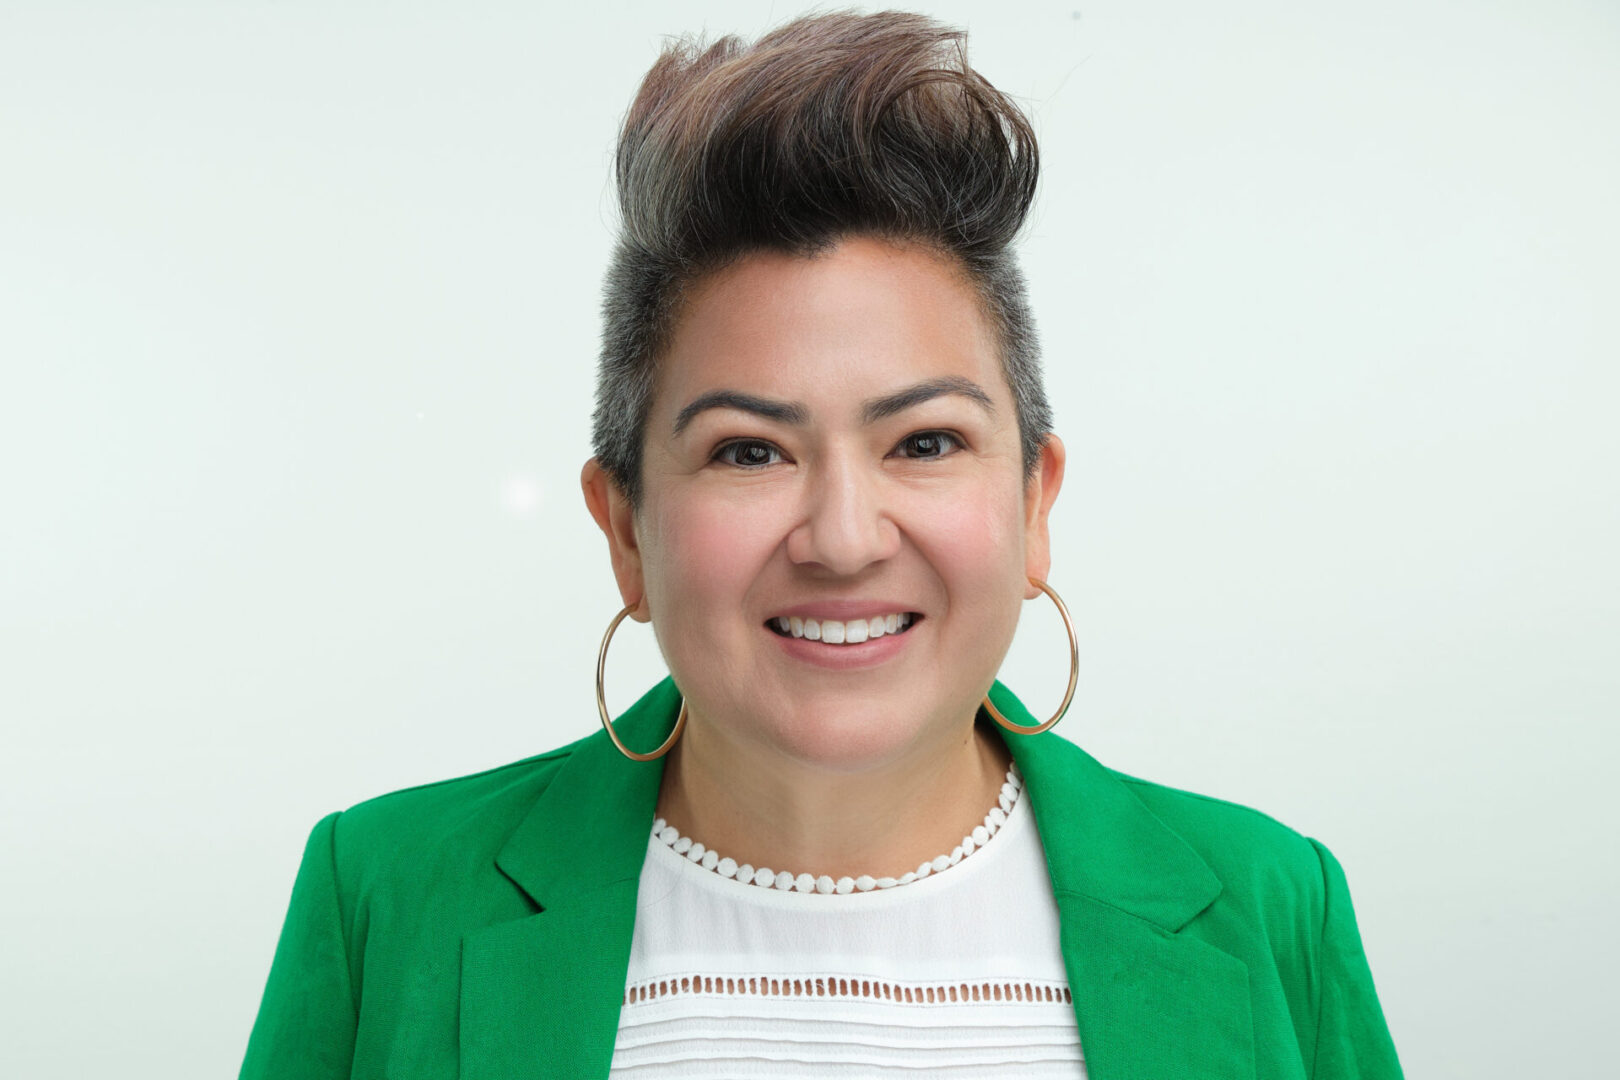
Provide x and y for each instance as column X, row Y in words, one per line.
column 611, row 509
column 1039, row 494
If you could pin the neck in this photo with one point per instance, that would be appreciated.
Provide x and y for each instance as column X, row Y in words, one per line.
column 788, row 815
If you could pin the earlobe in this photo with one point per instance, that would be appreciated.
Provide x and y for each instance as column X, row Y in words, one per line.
column 610, row 508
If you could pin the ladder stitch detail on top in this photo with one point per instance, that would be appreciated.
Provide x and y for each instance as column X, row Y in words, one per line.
column 843, row 987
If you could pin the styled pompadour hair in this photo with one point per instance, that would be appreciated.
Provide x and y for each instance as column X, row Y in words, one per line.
column 830, row 126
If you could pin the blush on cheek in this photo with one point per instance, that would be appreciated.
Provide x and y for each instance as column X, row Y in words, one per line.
column 719, row 550
column 706, row 552
column 980, row 529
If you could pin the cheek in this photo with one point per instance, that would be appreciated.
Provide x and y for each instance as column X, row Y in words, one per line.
column 975, row 541
column 704, row 552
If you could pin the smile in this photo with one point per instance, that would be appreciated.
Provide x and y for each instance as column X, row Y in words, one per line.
column 836, row 632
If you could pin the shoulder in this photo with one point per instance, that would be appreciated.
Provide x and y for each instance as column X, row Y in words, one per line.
column 1228, row 835
column 444, row 827
column 1285, row 909
column 1274, row 879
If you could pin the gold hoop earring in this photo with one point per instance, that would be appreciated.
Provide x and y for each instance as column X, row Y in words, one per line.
column 601, row 701
column 1074, row 671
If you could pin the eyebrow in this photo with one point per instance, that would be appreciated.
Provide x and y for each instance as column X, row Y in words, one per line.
column 785, row 412
column 912, row 396
column 873, row 410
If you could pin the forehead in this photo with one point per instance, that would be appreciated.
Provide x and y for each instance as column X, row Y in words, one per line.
column 859, row 320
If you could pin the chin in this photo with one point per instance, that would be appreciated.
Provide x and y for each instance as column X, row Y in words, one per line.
column 846, row 739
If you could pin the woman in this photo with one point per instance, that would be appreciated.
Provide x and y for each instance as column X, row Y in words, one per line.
column 824, row 470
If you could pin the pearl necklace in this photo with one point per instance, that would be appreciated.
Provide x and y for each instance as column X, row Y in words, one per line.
column 785, row 881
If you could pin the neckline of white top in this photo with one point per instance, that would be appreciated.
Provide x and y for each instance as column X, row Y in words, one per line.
column 726, row 873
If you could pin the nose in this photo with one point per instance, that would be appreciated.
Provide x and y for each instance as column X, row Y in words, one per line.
column 846, row 526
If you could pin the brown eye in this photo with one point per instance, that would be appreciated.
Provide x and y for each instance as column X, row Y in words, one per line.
column 928, row 444
column 747, row 454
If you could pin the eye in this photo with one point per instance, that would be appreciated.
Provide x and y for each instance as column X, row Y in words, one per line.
column 748, row 454
column 928, row 444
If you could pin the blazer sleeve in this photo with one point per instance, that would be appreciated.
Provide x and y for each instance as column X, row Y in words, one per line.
column 306, row 1024
column 1352, row 1040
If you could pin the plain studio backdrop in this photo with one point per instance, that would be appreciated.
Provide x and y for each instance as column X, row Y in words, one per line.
column 299, row 316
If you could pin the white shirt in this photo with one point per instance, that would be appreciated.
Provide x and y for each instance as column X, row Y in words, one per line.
column 957, row 974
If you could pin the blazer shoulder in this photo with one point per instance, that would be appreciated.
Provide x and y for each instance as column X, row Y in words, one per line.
column 1263, row 864
column 1290, row 891
column 469, row 815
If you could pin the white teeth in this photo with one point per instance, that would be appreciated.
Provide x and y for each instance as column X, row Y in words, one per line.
column 833, row 632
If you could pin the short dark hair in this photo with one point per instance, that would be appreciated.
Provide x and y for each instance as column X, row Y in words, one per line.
column 830, row 126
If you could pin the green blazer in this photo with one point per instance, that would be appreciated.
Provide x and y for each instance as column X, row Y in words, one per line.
column 480, row 927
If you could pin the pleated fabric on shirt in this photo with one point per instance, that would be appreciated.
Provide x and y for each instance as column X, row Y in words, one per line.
column 955, row 975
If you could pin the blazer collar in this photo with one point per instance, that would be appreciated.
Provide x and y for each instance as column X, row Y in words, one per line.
column 541, row 995
column 1150, row 1002
column 1100, row 840
column 589, row 829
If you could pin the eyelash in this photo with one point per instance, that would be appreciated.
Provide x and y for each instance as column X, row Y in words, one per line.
column 726, row 451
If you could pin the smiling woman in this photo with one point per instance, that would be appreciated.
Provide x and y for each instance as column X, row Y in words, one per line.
column 824, row 469
column 831, row 439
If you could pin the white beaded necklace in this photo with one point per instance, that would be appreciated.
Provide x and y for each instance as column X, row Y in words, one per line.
column 767, row 878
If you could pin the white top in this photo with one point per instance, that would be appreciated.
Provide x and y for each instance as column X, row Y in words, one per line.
column 956, row 973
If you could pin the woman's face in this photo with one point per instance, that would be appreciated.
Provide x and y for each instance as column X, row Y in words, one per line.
column 832, row 439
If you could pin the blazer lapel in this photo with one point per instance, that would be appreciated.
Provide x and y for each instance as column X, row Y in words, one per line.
column 540, row 996
column 1150, row 1002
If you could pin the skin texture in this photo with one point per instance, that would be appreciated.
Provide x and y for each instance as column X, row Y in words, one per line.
column 862, row 767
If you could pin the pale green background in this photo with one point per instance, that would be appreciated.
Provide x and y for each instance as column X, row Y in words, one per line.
column 297, row 325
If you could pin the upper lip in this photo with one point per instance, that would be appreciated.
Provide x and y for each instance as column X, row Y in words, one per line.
column 843, row 610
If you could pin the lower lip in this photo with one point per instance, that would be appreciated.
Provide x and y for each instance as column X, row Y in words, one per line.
column 869, row 653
